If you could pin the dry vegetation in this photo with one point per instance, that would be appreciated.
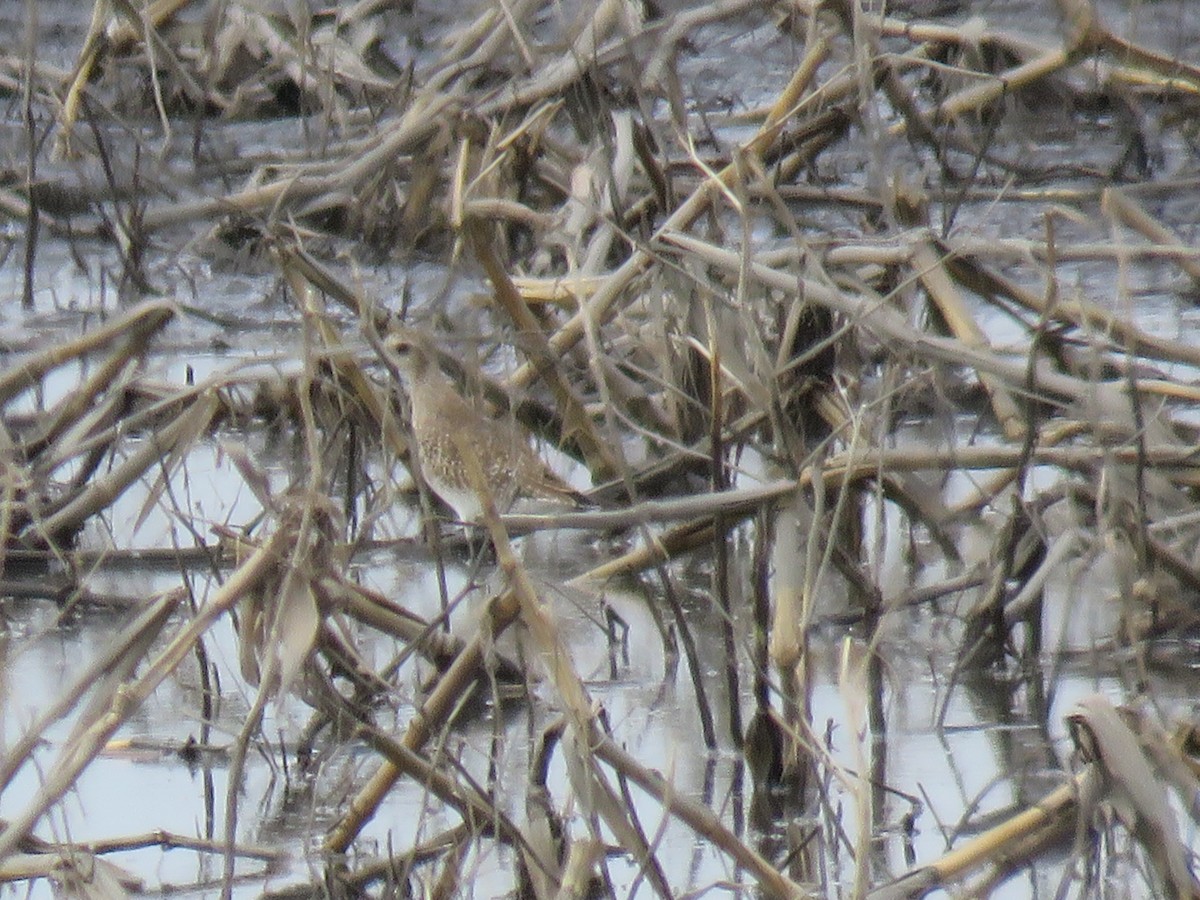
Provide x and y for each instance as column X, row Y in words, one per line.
column 731, row 316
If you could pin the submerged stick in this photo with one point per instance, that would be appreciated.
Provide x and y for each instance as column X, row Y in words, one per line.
column 129, row 697
column 469, row 666
column 135, row 327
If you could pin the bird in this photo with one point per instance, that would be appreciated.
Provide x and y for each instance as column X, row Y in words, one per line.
column 445, row 424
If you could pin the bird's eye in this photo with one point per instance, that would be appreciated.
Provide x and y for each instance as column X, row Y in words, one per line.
column 402, row 347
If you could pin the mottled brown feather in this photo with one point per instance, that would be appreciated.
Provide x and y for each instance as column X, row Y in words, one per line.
column 442, row 421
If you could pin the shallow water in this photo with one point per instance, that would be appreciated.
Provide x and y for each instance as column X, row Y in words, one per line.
column 954, row 748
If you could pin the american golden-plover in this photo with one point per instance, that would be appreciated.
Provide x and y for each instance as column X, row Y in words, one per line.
column 445, row 426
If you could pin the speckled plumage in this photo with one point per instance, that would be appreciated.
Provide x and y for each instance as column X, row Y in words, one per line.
column 443, row 422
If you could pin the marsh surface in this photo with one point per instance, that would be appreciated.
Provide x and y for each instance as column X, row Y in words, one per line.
column 921, row 629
